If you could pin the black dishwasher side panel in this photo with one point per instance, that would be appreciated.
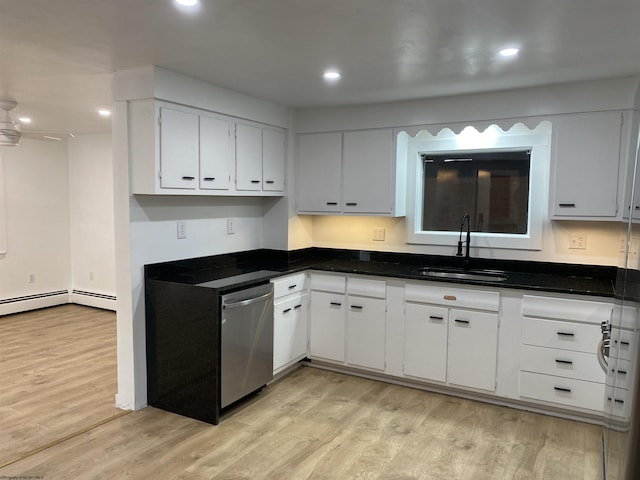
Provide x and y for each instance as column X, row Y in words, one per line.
column 183, row 349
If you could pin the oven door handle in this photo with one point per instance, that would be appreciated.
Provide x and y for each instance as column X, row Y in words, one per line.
column 249, row 301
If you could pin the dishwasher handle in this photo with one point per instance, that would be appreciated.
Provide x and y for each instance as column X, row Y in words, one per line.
column 249, row 301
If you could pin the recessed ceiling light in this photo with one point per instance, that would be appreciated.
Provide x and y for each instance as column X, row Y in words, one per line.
column 25, row 120
column 187, row 3
column 331, row 75
column 509, row 52
column 104, row 113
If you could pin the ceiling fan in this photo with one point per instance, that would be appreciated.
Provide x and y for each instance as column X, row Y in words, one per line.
column 11, row 134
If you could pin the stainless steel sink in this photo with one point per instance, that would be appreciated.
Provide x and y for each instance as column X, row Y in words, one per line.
column 478, row 275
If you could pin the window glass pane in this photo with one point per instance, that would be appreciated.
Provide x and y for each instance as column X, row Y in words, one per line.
column 491, row 186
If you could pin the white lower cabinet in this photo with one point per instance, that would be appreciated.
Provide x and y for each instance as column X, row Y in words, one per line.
column 366, row 326
column 289, row 332
column 348, row 320
column 290, row 320
column 425, row 341
column 559, row 362
column 473, row 349
column 455, row 336
column 327, row 325
column 453, row 345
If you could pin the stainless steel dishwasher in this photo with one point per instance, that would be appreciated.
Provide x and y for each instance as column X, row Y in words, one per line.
column 247, row 342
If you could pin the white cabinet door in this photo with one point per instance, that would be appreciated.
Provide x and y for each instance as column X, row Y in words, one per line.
column 327, row 329
column 472, row 354
column 178, row 149
column 320, row 172
column 248, row 157
column 216, row 153
column 367, row 171
column 587, row 159
column 425, row 341
column 366, row 339
column 273, row 160
column 289, row 331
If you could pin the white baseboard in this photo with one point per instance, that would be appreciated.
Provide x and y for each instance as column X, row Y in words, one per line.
column 33, row 302
column 92, row 299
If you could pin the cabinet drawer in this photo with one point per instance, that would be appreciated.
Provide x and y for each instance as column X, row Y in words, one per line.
column 453, row 297
column 563, row 391
column 557, row 334
column 623, row 344
column 566, row 309
column 366, row 287
column 328, row 282
column 620, row 373
column 617, row 402
column 290, row 284
column 562, row 363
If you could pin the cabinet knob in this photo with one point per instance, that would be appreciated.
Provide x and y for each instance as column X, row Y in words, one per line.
column 450, row 297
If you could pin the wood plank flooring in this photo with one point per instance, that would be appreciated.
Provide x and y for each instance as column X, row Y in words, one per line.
column 58, row 375
column 310, row 424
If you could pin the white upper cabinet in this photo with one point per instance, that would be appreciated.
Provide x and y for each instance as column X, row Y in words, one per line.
column 320, row 173
column 177, row 150
column 273, row 156
column 216, row 151
column 586, row 166
column 248, row 157
column 367, row 172
column 349, row 173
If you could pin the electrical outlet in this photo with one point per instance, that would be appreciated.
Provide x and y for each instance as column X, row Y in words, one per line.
column 182, row 229
column 231, row 226
column 578, row 241
column 377, row 235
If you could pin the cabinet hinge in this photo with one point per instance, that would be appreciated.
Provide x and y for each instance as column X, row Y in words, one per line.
column 496, row 386
column 160, row 174
column 159, row 120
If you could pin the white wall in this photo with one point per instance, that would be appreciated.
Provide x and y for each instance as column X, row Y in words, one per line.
column 91, row 220
column 37, row 225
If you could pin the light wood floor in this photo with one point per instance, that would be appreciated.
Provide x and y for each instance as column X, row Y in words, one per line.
column 57, row 375
column 311, row 424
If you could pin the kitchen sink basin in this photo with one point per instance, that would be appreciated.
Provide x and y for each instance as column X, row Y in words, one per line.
column 460, row 274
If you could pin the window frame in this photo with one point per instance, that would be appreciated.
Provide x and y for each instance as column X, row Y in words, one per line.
column 518, row 136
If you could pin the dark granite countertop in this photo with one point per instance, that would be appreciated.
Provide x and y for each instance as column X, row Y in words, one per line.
column 215, row 271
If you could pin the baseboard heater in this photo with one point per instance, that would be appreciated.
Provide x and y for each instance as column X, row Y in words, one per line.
column 93, row 294
column 33, row 297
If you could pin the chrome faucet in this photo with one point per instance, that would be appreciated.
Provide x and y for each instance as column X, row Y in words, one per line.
column 466, row 218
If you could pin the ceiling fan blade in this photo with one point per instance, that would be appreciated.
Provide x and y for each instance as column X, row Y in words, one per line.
column 45, row 136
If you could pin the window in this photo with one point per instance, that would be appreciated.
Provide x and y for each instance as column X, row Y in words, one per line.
column 499, row 178
column 491, row 186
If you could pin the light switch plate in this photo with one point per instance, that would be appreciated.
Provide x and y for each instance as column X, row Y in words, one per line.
column 231, row 226
column 182, row 229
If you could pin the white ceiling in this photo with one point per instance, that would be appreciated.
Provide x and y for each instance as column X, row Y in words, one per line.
column 57, row 56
